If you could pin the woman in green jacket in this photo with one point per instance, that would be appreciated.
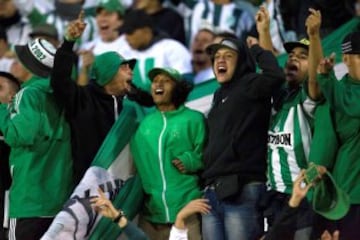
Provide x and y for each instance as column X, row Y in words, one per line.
column 167, row 150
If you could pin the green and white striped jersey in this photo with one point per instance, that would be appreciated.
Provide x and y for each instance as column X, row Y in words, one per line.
column 289, row 141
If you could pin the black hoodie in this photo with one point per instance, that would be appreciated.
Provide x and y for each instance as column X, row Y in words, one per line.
column 89, row 110
column 239, row 118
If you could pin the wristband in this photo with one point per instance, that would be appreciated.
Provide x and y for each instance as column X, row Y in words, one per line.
column 118, row 217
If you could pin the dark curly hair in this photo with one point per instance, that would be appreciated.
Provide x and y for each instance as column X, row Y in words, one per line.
column 181, row 92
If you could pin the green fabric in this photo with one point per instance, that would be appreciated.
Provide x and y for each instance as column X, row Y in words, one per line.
column 130, row 197
column 161, row 138
column 341, row 135
column 40, row 158
column 106, row 65
column 171, row 72
column 111, row 6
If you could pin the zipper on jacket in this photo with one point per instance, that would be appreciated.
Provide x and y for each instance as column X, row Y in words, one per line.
column 116, row 109
column 162, row 169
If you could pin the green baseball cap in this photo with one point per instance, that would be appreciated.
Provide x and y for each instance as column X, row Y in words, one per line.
column 111, row 6
column 106, row 66
column 329, row 200
column 171, row 72
column 303, row 43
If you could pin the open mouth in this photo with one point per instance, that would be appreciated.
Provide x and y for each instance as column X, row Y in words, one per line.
column 292, row 69
column 104, row 27
column 159, row 91
column 222, row 70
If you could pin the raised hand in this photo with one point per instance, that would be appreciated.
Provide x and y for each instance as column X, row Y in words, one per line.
column 326, row 64
column 76, row 28
column 262, row 19
column 104, row 206
column 313, row 22
column 251, row 41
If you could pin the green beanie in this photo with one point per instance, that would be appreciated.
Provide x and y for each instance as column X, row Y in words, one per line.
column 106, row 66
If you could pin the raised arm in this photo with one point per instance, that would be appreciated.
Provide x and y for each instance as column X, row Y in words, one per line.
column 263, row 28
column 66, row 91
column 313, row 23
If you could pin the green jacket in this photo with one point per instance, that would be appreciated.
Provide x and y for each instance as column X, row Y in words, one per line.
column 40, row 158
column 161, row 138
column 336, row 142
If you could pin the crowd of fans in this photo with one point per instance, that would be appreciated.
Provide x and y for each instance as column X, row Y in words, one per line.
column 67, row 67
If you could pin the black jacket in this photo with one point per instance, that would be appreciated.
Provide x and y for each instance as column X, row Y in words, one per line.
column 239, row 118
column 89, row 110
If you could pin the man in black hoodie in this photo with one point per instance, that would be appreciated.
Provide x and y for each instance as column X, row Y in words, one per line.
column 235, row 155
column 91, row 110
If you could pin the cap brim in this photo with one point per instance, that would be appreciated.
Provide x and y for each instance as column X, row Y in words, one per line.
column 155, row 71
column 131, row 62
column 30, row 63
column 289, row 46
column 340, row 204
column 213, row 48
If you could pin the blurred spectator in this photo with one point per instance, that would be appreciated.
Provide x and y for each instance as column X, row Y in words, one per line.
column 46, row 31
column 9, row 86
column 151, row 48
column 16, row 26
column 200, row 60
column 167, row 150
column 66, row 11
column 109, row 18
column 165, row 19
column 221, row 15
column 39, row 137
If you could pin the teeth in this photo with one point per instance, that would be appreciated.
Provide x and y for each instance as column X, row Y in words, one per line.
column 159, row 90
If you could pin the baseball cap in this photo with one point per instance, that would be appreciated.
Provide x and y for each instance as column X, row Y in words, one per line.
column 351, row 43
column 44, row 30
column 10, row 77
column 37, row 56
column 303, row 43
column 225, row 43
column 111, row 6
column 106, row 66
column 171, row 72
column 134, row 20
column 329, row 200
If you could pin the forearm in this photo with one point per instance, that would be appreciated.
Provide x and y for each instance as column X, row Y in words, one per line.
column 315, row 55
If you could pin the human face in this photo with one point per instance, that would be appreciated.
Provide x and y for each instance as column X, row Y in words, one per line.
column 296, row 68
column 225, row 61
column 7, row 90
column 120, row 84
column 7, row 8
column 19, row 71
column 139, row 39
column 108, row 24
column 202, row 39
column 352, row 61
column 162, row 88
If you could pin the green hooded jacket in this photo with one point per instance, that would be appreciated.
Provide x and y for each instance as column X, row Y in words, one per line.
column 161, row 138
column 336, row 142
column 40, row 158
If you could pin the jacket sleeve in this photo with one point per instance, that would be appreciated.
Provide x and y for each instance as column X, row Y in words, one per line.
column 133, row 232
column 272, row 75
column 140, row 96
column 341, row 97
column 66, row 91
column 20, row 122
column 193, row 159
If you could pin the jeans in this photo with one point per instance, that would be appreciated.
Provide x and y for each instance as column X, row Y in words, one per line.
column 241, row 220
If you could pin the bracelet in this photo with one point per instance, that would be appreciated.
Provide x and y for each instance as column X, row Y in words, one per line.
column 118, row 217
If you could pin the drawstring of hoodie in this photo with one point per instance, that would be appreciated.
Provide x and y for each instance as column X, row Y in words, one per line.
column 115, row 107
